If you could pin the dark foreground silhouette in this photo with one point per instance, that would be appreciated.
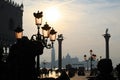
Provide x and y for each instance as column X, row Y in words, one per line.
column 105, row 69
column 118, row 71
column 63, row 76
column 3, row 66
column 21, row 59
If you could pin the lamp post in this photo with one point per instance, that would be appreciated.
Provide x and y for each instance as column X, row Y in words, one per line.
column 91, row 61
column 86, row 60
column 60, row 39
column 47, row 33
column 107, row 36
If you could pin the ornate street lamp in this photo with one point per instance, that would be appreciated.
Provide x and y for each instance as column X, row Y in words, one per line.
column 38, row 18
column 52, row 35
column 47, row 32
column 91, row 62
column 86, row 60
column 18, row 33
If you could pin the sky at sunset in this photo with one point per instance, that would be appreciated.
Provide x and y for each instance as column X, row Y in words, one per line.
column 82, row 23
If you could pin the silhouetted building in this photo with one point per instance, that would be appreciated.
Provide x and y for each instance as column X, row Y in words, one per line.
column 10, row 17
column 69, row 60
column 74, row 61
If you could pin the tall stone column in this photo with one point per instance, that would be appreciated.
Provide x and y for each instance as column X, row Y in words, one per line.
column 60, row 39
column 107, row 36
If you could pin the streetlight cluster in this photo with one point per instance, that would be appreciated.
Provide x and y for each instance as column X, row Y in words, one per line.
column 90, row 59
column 47, row 32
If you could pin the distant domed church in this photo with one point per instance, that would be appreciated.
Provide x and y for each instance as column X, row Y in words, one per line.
column 11, row 15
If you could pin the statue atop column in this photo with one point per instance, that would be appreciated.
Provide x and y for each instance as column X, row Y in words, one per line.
column 107, row 36
column 106, row 31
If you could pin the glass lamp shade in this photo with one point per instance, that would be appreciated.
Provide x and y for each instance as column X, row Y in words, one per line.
column 38, row 17
column 18, row 35
column 53, row 35
column 18, row 32
column 46, row 30
column 38, row 21
column 85, row 57
column 91, row 52
column 45, row 33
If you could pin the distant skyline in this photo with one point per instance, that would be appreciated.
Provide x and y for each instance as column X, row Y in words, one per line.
column 82, row 23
